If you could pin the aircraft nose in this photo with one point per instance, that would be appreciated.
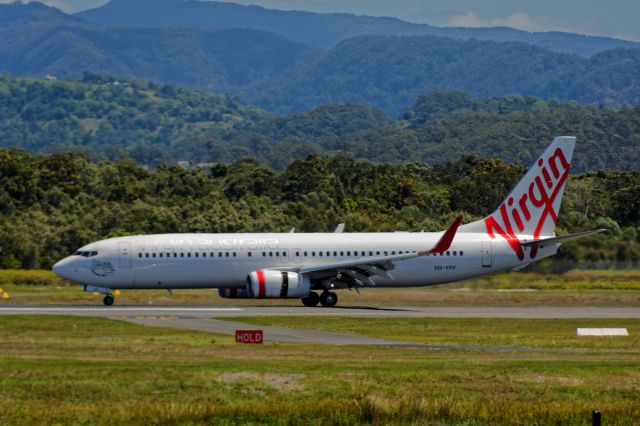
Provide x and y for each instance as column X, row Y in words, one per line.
column 63, row 268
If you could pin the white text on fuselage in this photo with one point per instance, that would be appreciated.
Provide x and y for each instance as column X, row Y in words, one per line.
column 209, row 244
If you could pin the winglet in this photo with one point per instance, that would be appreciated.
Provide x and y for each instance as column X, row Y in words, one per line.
column 445, row 241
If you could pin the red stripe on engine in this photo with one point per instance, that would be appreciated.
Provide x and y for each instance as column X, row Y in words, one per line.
column 261, row 287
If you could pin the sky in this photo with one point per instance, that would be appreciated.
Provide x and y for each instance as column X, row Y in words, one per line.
column 614, row 18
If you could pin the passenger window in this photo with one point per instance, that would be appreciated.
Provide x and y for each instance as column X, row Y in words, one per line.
column 305, row 254
column 448, row 253
column 284, row 253
column 370, row 253
column 386, row 253
column 377, row 253
column 234, row 254
column 197, row 254
column 320, row 253
column 264, row 254
column 154, row 255
column 341, row 253
column 249, row 254
column 461, row 253
column 219, row 254
column 139, row 254
column 335, row 254
column 393, row 252
column 313, row 253
column 189, row 254
column 270, row 254
column 160, row 255
column 175, row 254
column 226, row 254
column 455, row 253
column 297, row 254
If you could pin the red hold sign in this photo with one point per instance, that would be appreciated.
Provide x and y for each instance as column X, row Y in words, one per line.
column 249, row 336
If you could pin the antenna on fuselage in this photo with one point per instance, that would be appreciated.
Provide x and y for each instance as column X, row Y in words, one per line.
column 339, row 228
column 292, row 230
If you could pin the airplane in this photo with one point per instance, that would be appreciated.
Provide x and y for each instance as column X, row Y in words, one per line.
column 311, row 266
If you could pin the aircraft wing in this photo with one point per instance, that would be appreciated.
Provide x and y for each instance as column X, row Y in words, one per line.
column 359, row 272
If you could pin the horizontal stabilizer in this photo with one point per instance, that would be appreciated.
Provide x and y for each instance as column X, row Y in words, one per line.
column 561, row 238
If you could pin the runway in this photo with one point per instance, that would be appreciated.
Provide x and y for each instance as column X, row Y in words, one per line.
column 346, row 311
column 206, row 319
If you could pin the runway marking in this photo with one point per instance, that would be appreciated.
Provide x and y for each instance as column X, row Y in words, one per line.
column 109, row 309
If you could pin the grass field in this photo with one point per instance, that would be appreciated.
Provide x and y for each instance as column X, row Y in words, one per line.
column 574, row 288
column 64, row 370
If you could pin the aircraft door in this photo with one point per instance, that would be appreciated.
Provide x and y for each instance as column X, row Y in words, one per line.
column 124, row 255
column 487, row 253
column 296, row 255
column 285, row 255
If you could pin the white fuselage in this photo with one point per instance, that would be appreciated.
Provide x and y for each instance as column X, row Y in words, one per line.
column 173, row 261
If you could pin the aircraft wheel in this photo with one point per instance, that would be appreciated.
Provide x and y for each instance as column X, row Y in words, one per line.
column 328, row 299
column 311, row 300
column 108, row 300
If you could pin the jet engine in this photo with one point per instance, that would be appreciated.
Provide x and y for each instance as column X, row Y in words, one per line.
column 270, row 284
column 233, row 293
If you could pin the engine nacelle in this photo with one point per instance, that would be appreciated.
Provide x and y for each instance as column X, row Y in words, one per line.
column 234, row 293
column 270, row 284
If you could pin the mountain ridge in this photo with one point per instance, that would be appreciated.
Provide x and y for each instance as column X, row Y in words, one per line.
column 274, row 72
column 323, row 29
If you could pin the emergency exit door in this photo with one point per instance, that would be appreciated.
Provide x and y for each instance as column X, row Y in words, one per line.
column 487, row 254
column 124, row 257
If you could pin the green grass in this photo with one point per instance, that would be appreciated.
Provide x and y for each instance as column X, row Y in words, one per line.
column 574, row 288
column 76, row 370
column 535, row 333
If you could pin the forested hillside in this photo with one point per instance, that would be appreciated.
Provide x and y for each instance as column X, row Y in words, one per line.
column 321, row 29
column 391, row 72
column 38, row 40
column 109, row 120
column 282, row 75
column 155, row 124
column 51, row 205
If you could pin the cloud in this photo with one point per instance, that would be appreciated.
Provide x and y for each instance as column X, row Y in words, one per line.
column 68, row 6
column 519, row 20
column 526, row 22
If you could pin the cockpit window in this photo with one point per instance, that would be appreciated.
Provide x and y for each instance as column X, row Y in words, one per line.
column 86, row 253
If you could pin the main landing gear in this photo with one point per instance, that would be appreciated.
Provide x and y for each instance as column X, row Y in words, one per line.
column 328, row 299
column 108, row 300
